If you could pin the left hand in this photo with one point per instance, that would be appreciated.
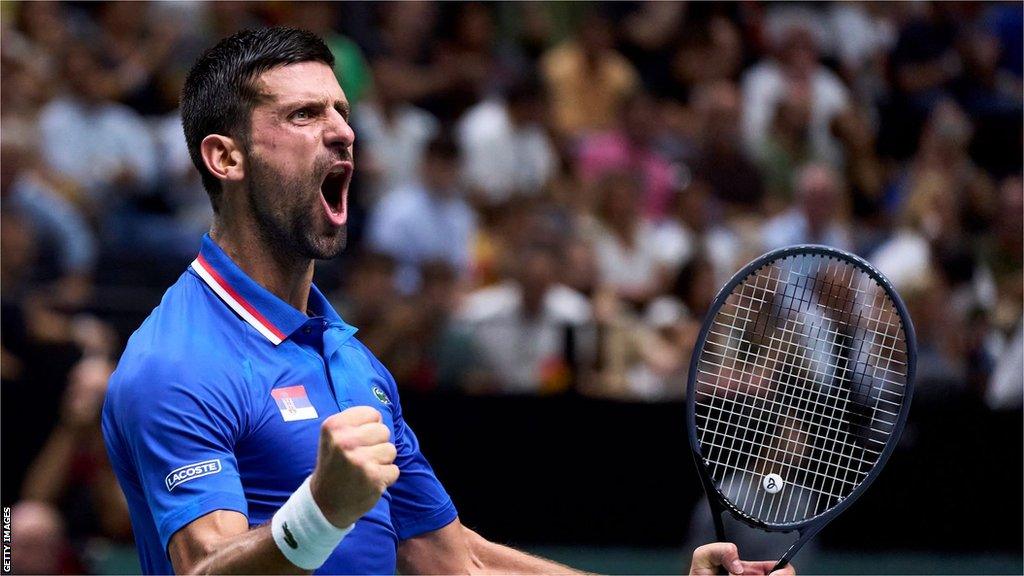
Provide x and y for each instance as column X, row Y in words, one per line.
column 709, row 557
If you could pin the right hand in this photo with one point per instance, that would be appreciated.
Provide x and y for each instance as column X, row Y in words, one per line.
column 355, row 464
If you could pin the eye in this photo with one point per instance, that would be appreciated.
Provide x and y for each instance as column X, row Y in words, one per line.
column 302, row 114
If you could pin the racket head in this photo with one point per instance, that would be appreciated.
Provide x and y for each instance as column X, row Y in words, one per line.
column 800, row 263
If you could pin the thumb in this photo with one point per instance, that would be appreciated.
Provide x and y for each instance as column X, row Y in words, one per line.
column 709, row 557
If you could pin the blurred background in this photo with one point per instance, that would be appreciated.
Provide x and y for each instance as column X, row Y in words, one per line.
column 548, row 196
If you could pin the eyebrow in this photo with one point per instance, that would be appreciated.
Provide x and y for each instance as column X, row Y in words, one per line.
column 341, row 106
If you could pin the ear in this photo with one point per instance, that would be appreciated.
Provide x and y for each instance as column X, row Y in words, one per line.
column 223, row 158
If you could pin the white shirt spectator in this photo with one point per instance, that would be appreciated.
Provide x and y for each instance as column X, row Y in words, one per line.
column 397, row 146
column 414, row 226
column 500, row 158
column 764, row 85
column 905, row 259
column 515, row 347
column 637, row 267
column 93, row 145
column 791, row 227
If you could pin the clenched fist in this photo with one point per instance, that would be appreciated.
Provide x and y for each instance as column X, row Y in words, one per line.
column 354, row 465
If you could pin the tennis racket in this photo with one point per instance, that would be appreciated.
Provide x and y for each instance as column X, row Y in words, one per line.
column 799, row 387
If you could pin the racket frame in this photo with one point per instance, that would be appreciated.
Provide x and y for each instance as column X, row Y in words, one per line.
column 806, row 529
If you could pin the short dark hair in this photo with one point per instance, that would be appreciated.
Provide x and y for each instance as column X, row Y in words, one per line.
column 220, row 90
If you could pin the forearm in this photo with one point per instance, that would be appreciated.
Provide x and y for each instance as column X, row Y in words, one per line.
column 456, row 549
column 498, row 559
column 251, row 552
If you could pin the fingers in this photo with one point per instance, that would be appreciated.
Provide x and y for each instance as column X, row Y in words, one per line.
column 389, row 474
column 709, row 557
column 377, row 454
column 352, row 437
column 353, row 416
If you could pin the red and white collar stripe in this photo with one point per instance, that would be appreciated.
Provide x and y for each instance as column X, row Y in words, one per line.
column 240, row 305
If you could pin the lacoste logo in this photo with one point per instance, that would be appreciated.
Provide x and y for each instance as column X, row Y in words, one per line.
column 191, row 472
column 288, row 538
column 381, row 395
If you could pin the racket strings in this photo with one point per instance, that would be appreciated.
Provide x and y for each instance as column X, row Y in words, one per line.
column 802, row 375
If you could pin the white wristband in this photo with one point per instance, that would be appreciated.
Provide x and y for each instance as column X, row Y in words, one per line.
column 305, row 536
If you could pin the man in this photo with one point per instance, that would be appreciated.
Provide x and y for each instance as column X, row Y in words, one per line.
column 250, row 431
column 428, row 220
column 817, row 214
column 506, row 150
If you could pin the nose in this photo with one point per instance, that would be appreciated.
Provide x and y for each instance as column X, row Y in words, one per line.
column 338, row 133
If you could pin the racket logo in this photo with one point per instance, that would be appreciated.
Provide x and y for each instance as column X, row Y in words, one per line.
column 772, row 483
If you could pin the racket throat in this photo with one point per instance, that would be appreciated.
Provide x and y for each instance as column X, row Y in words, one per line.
column 804, row 537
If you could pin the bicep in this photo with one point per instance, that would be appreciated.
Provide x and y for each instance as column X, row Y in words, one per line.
column 198, row 539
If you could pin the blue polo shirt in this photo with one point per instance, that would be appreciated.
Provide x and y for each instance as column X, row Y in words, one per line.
column 217, row 403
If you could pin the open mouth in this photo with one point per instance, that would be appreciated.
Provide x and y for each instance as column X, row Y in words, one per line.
column 333, row 192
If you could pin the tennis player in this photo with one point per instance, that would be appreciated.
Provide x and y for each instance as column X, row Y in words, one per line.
column 249, row 428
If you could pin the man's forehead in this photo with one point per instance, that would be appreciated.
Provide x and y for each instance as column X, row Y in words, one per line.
column 300, row 81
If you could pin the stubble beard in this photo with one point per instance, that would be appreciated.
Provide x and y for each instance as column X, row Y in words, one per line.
column 285, row 216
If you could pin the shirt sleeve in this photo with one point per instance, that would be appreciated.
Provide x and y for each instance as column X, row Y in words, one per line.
column 419, row 503
column 181, row 437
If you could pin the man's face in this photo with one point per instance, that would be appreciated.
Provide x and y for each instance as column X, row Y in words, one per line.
column 300, row 161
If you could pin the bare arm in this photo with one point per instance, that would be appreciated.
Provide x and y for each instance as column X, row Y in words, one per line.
column 222, row 543
column 456, row 549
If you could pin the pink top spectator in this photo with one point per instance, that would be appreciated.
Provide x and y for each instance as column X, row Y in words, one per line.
column 614, row 152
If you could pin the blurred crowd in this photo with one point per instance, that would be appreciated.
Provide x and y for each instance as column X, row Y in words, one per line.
column 547, row 197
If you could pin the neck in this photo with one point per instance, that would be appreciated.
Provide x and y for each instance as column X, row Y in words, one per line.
column 287, row 276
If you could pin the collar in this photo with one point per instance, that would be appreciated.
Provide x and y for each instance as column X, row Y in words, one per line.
column 269, row 315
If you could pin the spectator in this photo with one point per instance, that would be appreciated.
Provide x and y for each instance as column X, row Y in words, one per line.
column 786, row 148
column 819, row 216
column 134, row 44
column 634, row 258
column 520, row 326
column 72, row 124
column 395, row 135
column 73, row 468
column 708, row 52
column 587, row 80
column 794, row 69
column 720, row 161
column 863, row 33
column 648, row 33
column 632, row 147
column 428, row 221
column 1006, row 256
column 65, row 237
column 39, row 541
column 406, row 63
column 923, row 62
column 505, row 149
column 943, row 155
